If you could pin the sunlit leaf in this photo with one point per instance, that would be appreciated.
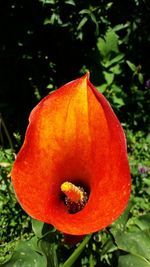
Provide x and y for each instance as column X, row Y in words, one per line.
column 37, row 227
column 144, row 221
column 118, row 101
column 102, row 46
column 140, row 77
column 120, row 27
column 25, row 256
column 102, row 87
column 70, row 2
column 136, row 243
column 131, row 66
column 109, row 77
column 116, row 59
column 108, row 44
column 82, row 23
column 132, row 261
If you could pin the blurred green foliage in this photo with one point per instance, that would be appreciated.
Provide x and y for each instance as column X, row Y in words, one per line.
column 44, row 44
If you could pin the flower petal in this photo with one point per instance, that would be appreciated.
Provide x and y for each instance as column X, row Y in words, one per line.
column 73, row 136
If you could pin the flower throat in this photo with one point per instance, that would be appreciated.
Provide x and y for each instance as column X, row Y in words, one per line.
column 75, row 197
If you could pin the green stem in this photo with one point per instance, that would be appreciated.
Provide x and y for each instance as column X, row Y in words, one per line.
column 77, row 252
column 91, row 261
column 6, row 131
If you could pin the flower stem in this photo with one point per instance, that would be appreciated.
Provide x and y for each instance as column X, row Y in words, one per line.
column 69, row 262
column 2, row 123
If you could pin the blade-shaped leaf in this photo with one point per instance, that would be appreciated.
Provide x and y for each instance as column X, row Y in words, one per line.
column 37, row 227
column 131, row 66
column 143, row 222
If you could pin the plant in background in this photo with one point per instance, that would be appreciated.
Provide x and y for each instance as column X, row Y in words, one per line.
column 138, row 147
column 112, row 41
column 111, row 61
column 14, row 223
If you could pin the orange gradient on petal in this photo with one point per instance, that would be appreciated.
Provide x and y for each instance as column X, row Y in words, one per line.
column 73, row 134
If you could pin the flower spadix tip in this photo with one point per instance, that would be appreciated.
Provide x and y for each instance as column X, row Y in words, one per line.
column 73, row 192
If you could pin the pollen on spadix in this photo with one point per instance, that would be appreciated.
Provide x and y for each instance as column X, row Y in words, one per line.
column 73, row 192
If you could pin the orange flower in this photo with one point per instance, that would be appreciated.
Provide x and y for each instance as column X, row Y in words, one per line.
column 72, row 170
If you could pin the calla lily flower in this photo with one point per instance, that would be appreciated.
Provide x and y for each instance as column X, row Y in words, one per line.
column 72, row 170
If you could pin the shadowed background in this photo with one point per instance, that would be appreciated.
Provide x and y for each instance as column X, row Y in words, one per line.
column 44, row 44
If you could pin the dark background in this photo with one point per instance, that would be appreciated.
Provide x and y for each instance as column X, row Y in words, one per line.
column 42, row 44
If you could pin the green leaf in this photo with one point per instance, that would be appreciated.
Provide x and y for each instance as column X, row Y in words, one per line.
column 102, row 47
column 82, row 22
column 108, row 5
column 33, row 244
column 121, row 222
column 55, row 18
column 114, row 60
column 109, row 77
column 102, row 88
column 109, row 246
column 48, row 1
column 120, row 27
column 118, row 101
column 131, row 66
column 37, row 227
column 85, row 11
column 148, row 191
column 49, row 86
column 47, row 21
column 108, row 44
column 147, row 181
column 93, row 18
column 140, row 77
column 25, row 256
column 132, row 261
column 70, row 2
column 112, row 41
column 136, row 243
column 48, row 229
column 50, row 251
column 143, row 222
column 116, row 69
